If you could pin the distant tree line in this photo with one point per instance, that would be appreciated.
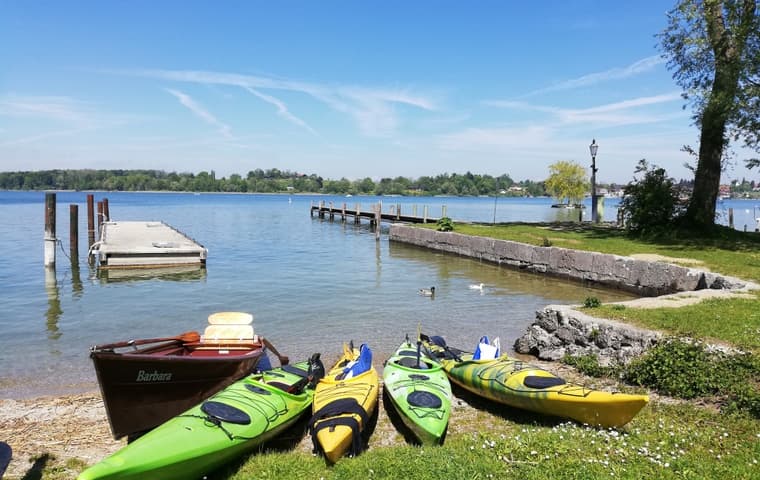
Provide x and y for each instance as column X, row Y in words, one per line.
column 266, row 181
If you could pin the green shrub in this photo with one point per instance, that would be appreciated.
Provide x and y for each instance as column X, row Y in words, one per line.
column 445, row 224
column 674, row 368
column 592, row 302
column 652, row 203
column 545, row 242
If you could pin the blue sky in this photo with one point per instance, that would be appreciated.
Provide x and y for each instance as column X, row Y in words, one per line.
column 340, row 88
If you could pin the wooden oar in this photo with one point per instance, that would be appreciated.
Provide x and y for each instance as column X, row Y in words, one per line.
column 186, row 337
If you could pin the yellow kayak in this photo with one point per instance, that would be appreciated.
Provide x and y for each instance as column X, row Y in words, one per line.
column 344, row 400
column 518, row 384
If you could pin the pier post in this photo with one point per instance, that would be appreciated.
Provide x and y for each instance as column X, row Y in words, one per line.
column 100, row 218
column 332, row 214
column 311, row 208
column 443, row 211
column 343, row 213
column 74, row 232
column 106, row 212
column 731, row 217
column 358, row 216
column 321, row 209
column 90, row 220
column 398, row 211
column 424, row 214
column 50, row 240
column 378, row 218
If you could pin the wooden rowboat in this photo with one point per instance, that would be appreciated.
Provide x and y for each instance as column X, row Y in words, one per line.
column 148, row 381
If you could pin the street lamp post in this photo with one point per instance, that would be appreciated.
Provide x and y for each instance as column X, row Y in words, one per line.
column 593, row 148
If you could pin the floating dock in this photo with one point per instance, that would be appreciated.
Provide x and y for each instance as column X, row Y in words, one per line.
column 146, row 245
column 374, row 214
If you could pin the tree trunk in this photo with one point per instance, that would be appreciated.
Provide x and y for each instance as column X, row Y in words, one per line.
column 727, row 53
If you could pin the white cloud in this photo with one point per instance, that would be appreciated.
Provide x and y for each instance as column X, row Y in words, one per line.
column 371, row 108
column 282, row 109
column 48, row 107
column 201, row 112
column 618, row 73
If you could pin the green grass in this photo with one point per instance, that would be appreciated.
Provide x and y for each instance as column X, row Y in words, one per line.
column 664, row 441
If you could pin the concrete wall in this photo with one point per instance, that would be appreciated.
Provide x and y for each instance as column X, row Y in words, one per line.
column 636, row 276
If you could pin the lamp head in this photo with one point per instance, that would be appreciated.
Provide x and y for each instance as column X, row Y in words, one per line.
column 593, row 148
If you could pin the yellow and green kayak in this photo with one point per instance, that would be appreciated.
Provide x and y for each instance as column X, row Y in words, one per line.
column 344, row 400
column 420, row 391
column 521, row 385
column 228, row 424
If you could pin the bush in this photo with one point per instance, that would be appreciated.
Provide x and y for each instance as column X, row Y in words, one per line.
column 445, row 224
column 592, row 302
column 651, row 204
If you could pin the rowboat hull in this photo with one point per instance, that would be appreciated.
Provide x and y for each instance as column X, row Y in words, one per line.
column 360, row 391
column 420, row 393
column 236, row 420
column 146, row 387
column 518, row 384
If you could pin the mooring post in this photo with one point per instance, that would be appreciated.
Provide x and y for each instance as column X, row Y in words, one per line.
column 398, row 211
column 332, row 214
column 311, row 208
column 424, row 214
column 321, row 209
column 106, row 212
column 443, row 211
column 357, row 217
column 343, row 213
column 100, row 218
column 731, row 217
column 50, row 240
column 378, row 217
column 74, row 232
column 90, row 220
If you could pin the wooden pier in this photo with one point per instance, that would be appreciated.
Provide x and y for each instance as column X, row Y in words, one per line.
column 146, row 245
column 374, row 213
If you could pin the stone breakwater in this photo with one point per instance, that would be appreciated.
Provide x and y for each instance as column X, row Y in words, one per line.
column 560, row 329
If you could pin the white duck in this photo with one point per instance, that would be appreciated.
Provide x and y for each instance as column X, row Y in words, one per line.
column 477, row 287
column 427, row 292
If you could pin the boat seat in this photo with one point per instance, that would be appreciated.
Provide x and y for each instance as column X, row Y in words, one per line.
column 225, row 413
column 295, row 370
column 534, row 381
column 424, row 399
column 229, row 332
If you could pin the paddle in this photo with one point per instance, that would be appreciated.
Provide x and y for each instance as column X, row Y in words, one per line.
column 283, row 359
column 186, row 337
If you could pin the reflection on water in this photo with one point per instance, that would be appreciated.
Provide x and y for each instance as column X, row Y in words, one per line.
column 54, row 311
column 185, row 273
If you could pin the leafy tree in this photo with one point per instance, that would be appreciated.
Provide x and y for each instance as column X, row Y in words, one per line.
column 713, row 46
column 651, row 203
column 567, row 181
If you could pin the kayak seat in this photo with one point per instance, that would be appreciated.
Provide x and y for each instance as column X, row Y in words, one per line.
column 225, row 413
column 410, row 362
column 407, row 353
column 533, row 381
column 424, row 399
column 417, row 376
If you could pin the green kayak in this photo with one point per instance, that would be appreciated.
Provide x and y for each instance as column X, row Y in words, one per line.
column 420, row 392
column 225, row 426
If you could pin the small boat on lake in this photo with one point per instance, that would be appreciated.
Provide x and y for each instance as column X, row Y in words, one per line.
column 519, row 384
column 146, row 382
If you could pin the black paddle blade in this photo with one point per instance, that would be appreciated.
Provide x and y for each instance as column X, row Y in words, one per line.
column 5, row 457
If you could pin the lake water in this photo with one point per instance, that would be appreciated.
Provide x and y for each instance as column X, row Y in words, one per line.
column 310, row 283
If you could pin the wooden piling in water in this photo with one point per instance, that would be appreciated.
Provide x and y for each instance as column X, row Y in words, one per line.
column 49, row 255
column 358, row 210
column 343, row 213
column 424, row 214
column 106, row 212
column 378, row 218
column 74, row 232
column 90, row 220
column 100, row 218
